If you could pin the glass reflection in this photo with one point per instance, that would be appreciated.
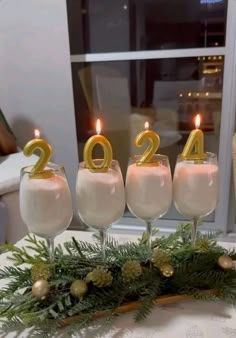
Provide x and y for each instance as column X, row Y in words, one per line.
column 129, row 25
column 167, row 93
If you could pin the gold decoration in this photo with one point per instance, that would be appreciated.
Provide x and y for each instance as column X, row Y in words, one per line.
column 203, row 244
column 225, row 262
column 88, row 151
column 100, row 277
column 40, row 289
column 160, row 258
column 40, row 271
column 167, row 270
column 78, row 289
column 131, row 270
column 45, row 155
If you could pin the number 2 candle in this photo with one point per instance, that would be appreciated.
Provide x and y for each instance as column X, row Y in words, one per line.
column 45, row 154
column 154, row 143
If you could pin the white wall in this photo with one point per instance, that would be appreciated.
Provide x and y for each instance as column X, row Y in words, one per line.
column 35, row 75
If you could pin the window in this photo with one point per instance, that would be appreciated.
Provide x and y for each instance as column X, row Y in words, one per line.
column 134, row 61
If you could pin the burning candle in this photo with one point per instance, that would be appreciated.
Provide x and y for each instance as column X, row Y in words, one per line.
column 88, row 151
column 45, row 154
column 154, row 143
column 196, row 177
column 194, row 147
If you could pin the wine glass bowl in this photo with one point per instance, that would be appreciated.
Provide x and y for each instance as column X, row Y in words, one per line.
column 196, row 187
column 149, row 188
column 100, row 196
column 45, row 202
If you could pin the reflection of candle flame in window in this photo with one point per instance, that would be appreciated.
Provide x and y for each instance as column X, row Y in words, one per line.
column 98, row 127
column 36, row 133
column 197, row 121
column 146, row 125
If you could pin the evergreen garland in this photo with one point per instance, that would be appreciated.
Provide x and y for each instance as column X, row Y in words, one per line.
column 195, row 270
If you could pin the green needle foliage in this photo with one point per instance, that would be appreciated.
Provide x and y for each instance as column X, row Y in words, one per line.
column 195, row 271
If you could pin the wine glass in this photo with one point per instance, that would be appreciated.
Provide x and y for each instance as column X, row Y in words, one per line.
column 100, row 197
column 196, row 188
column 45, row 203
column 149, row 189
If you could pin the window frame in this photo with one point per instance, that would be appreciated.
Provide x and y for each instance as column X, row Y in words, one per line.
column 222, row 214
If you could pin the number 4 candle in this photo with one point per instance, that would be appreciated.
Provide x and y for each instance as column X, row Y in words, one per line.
column 194, row 147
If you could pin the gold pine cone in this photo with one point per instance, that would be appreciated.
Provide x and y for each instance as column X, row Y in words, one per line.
column 131, row 270
column 203, row 244
column 160, row 258
column 100, row 277
column 40, row 271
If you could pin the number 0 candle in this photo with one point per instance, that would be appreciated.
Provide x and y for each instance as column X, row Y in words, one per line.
column 194, row 147
column 154, row 143
column 88, row 151
column 45, row 154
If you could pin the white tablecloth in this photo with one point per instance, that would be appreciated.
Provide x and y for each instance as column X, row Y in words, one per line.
column 193, row 319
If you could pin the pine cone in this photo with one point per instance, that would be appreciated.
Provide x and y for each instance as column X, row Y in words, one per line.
column 160, row 258
column 40, row 271
column 203, row 244
column 100, row 277
column 131, row 270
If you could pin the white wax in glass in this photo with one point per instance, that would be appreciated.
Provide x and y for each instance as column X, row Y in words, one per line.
column 45, row 205
column 100, row 197
column 195, row 188
column 148, row 191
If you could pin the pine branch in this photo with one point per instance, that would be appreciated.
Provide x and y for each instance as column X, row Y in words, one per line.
column 195, row 270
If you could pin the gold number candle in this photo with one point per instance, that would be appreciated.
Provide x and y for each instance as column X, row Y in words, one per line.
column 194, row 147
column 45, row 155
column 154, row 143
column 88, row 151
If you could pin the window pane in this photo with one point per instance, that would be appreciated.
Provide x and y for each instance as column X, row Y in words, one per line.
column 168, row 93
column 128, row 25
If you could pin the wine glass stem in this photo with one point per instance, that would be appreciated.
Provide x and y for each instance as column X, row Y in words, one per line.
column 149, row 235
column 50, row 243
column 103, row 236
column 194, row 230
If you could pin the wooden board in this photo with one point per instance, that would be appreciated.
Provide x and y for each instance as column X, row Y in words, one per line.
column 132, row 306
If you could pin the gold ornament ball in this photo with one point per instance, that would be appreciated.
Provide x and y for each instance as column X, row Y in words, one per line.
column 40, row 289
column 225, row 262
column 167, row 270
column 78, row 289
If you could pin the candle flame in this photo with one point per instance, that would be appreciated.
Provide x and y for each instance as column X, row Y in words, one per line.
column 36, row 133
column 197, row 121
column 146, row 125
column 98, row 127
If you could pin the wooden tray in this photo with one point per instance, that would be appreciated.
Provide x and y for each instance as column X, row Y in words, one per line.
column 132, row 306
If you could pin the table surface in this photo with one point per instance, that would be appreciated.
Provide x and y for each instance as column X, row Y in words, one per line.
column 192, row 319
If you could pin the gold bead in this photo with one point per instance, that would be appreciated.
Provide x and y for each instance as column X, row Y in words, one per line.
column 78, row 288
column 40, row 289
column 225, row 262
column 167, row 270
